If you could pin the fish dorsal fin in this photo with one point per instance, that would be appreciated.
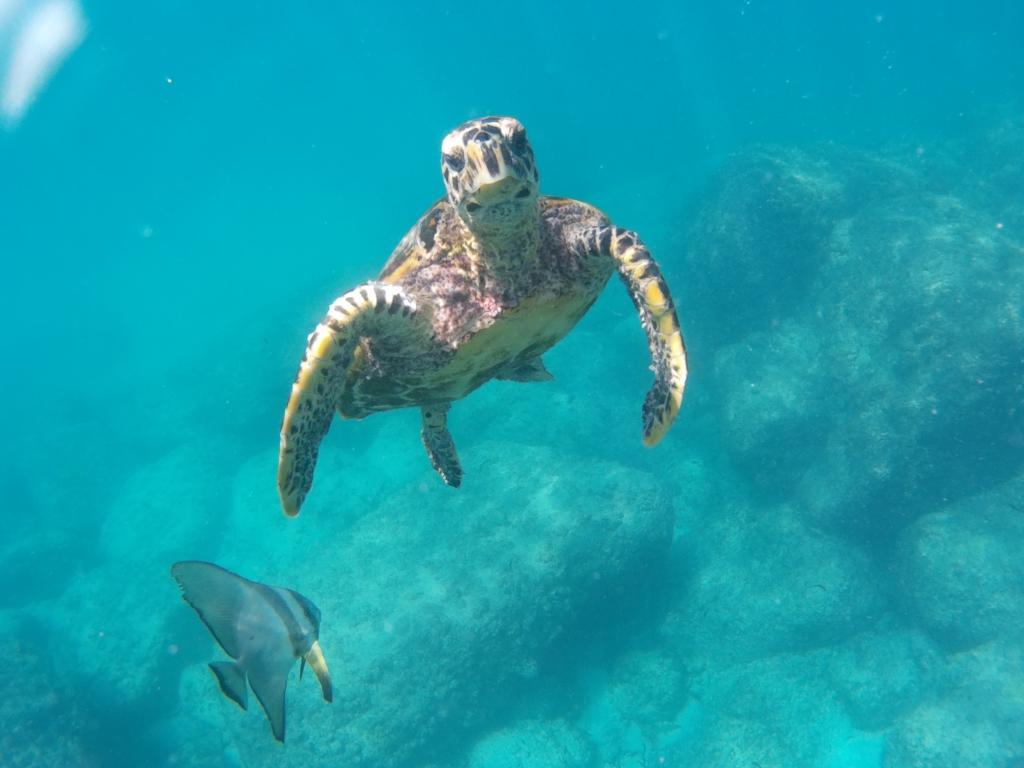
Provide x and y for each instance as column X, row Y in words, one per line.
column 232, row 681
column 312, row 613
column 268, row 676
column 217, row 595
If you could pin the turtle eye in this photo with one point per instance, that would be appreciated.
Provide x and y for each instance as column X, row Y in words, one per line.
column 456, row 161
column 472, row 207
column 519, row 139
column 524, row 192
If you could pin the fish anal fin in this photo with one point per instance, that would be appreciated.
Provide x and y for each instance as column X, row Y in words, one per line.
column 269, row 679
column 232, row 681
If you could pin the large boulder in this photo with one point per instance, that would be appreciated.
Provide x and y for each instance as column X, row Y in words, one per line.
column 871, row 364
column 42, row 718
column 437, row 605
column 757, row 239
column 962, row 572
column 921, row 309
column 881, row 674
column 112, row 618
column 757, row 713
column 765, row 583
column 555, row 744
column 972, row 720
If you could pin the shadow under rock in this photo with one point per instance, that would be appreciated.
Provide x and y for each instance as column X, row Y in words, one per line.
column 611, row 623
column 42, row 559
column 113, row 732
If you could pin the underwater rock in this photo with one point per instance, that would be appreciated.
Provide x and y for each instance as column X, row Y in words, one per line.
column 765, row 583
column 937, row 735
column 41, row 722
column 878, row 316
column 757, row 713
column 774, row 390
column 112, row 618
column 962, row 572
column 437, row 605
column 648, row 688
column 921, row 309
column 630, row 708
column 879, row 675
column 961, row 731
column 552, row 743
column 757, row 240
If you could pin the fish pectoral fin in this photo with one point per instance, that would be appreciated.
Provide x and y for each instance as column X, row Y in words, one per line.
column 268, row 677
column 232, row 681
column 318, row 664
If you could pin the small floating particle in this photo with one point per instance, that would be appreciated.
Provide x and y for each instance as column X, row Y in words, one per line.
column 999, row 225
column 169, row 81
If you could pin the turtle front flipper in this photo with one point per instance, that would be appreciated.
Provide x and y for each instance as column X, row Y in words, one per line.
column 440, row 445
column 657, row 311
column 369, row 310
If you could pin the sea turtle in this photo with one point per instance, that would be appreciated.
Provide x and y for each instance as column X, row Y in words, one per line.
column 490, row 278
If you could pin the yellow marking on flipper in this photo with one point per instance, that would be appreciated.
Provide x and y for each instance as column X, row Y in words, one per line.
column 323, row 342
column 295, row 447
column 677, row 373
column 677, row 351
column 667, row 324
column 654, row 295
column 410, row 263
column 667, row 348
column 662, row 424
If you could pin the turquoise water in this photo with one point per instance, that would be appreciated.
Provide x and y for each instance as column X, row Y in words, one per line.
column 820, row 564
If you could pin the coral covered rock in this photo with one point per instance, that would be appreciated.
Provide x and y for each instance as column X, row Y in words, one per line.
column 437, row 605
column 526, row 745
column 766, row 583
column 879, row 675
column 873, row 363
column 962, row 569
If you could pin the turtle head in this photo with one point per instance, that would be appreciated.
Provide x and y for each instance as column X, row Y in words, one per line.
column 489, row 173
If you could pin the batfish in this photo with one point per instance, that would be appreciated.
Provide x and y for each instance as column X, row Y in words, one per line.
column 264, row 629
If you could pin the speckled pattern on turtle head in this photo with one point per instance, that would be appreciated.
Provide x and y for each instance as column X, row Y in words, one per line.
column 490, row 278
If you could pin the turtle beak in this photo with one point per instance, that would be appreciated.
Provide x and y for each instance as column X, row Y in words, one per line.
column 315, row 658
column 497, row 190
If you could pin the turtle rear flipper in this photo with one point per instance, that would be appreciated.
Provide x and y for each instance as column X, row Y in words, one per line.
column 532, row 369
column 440, row 445
column 649, row 292
column 370, row 310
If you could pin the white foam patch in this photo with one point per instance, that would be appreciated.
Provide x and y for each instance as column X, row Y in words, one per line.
column 39, row 37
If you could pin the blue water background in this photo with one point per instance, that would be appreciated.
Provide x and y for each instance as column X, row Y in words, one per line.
column 199, row 181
